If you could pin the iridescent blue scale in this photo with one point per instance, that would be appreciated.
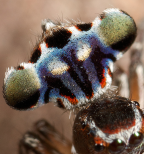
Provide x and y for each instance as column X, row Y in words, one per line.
column 72, row 64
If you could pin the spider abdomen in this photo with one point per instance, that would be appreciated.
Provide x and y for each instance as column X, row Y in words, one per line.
column 72, row 64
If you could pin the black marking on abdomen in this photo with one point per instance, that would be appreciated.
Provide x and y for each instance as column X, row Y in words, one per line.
column 125, row 43
column 36, row 55
column 57, row 83
column 85, row 86
column 59, row 38
column 84, row 27
column 29, row 102
column 60, row 103
column 96, row 58
column 46, row 95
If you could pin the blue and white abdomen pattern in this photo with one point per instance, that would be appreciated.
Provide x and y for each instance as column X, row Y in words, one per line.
column 72, row 64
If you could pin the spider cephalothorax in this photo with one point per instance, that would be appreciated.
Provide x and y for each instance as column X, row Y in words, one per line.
column 109, row 125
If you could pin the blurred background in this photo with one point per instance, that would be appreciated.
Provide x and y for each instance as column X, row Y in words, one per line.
column 19, row 29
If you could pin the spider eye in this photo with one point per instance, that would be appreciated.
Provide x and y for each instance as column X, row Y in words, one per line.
column 116, row 146
column 99, row 147
column 136, row 139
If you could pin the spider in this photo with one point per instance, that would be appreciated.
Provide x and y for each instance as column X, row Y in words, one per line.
column 35, row 87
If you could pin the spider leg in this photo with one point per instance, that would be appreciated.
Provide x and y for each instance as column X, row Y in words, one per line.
column 45, row 139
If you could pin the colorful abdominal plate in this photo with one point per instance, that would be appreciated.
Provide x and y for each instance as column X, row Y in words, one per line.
column 109, row 125
column 72, row 64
